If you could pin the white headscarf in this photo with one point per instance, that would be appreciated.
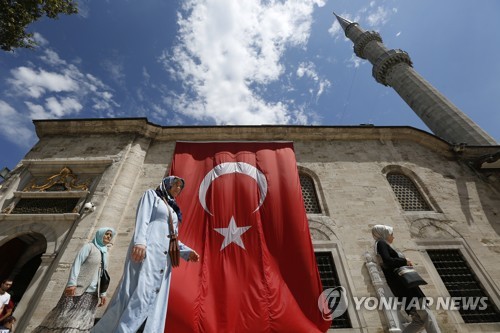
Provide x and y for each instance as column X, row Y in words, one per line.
column 381, row 232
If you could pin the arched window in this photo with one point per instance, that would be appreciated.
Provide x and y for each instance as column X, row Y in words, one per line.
column 309, row 194
column 407, row 193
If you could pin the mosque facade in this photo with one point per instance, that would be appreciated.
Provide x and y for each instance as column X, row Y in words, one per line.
column 440, row 192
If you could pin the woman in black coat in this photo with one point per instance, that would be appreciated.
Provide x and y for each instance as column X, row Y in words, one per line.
column 412, row 299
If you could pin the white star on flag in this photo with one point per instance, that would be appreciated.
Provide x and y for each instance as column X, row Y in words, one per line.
column 232, row 234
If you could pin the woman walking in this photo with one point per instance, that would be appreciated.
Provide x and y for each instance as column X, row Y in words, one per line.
column 139, row 303
column 75, row 311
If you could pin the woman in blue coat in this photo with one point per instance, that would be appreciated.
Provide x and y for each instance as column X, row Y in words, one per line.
column 142, row 296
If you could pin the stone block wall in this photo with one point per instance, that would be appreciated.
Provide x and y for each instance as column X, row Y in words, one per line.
column 349, row 167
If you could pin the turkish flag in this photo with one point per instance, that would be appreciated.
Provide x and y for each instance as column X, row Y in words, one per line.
column 244, row 214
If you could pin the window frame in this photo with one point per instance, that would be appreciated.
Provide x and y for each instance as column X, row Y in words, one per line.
column 419, row 184
column 315, row 193
column 341, row 265
column 485, row 280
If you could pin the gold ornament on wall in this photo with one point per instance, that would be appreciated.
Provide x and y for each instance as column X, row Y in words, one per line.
column 65, row 180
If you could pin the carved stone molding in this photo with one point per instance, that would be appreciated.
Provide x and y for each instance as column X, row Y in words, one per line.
column 321, row 228
column 430, row 228
column 382, row 290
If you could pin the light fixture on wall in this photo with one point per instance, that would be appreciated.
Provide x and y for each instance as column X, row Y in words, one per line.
column 89, row 207
column 4, row 172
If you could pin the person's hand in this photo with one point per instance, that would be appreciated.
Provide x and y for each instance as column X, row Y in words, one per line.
column 70, row 291
column 138, row 253
column 102, row 300
column 193, row 256
column 409, row 262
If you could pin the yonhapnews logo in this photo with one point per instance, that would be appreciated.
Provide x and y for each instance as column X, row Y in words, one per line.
column 332, row 303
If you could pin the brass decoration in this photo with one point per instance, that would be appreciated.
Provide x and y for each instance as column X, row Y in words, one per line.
column 65, row 180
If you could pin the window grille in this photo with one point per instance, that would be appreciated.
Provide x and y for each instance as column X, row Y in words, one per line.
column 330, row 279
column 461, row 281
column 45, row 206
column 309, row 195
column 407, row 193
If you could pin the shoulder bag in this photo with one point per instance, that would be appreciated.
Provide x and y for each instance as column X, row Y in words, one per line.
column 105, row 278
column 173, row 246
column 409, row 276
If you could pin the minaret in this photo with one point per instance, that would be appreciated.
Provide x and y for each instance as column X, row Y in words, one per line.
column 394, row 68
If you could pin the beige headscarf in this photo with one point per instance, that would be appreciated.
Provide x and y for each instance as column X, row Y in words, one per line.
column 381, row 232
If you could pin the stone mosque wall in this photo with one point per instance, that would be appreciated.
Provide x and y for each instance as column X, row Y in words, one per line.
column 119, row 159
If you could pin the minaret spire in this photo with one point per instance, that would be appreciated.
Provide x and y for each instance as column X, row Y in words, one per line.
column 344, row 23
column 394, row 68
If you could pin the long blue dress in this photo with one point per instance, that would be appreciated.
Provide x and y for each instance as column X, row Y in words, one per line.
column 143, row 290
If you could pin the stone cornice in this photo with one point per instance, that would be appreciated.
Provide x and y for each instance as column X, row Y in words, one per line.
column 386, row 61
column 363, row 40
column 47, row 218
column 142, row 127
column 79, row 166
column 51, row 194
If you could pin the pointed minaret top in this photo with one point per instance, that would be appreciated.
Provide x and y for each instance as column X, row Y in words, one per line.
column 344, row 23
column 393, row 68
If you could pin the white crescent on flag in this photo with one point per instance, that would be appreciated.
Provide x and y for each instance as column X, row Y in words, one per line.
column 232, row 167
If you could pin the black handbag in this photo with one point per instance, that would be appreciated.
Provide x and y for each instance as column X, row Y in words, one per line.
column 409, row 276
column 105, row 278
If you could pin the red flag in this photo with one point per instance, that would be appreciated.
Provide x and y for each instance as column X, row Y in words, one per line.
column 243, row 213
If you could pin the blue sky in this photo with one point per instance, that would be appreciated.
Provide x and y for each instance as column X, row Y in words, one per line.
column 215, row 62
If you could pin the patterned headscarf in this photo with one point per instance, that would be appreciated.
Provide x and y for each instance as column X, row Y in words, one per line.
column 98, row 239
column 162, row 191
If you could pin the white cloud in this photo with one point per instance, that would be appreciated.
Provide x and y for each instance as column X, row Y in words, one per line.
column 378, row 17
column 145, row 74
column 63, row 90
column 52, row 58
column 354, row 61
column 36, row 83
column 37, row 111
column 102, row 104
column 39, row 39
column 14, row 126
column 107, row 95
column 335, row 30
column 62, row 107
column 84, row 8
column 309, row 70
column 115, row 69
column 91, row 82
column 323, row 85
column 228, row 50
column 54, row 108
